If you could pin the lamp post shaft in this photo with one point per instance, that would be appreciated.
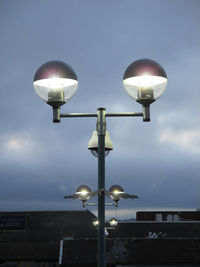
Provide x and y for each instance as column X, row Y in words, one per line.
column 101, row 129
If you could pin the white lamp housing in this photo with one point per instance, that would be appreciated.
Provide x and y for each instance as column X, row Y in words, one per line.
column 93, row 144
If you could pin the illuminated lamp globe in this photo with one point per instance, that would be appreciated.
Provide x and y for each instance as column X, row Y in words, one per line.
column 83, row 191
column 115, row 190
column 55, row 82
column 113, row 222
column 145, row 81
column 93, row 144
column 95, row 222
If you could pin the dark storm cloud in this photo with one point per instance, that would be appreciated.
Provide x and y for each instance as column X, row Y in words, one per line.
column 40, row 162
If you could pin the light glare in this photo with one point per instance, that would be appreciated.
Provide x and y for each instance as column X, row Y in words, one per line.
column 84, row 193
column 96, row 222
column 113, row 222
column 44, row 86
column 55, row 82
column 135, row 84
column 145, row 81
column 116, row 192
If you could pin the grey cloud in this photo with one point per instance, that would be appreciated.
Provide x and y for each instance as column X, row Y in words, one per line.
column 41, row 161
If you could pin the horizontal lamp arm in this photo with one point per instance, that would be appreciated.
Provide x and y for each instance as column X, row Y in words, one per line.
column 124, row 114
column 70, row 115
column 145, row 114
column 96, row 204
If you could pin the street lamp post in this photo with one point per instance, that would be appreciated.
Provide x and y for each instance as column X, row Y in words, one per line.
column 101, row 129
column 56, row 82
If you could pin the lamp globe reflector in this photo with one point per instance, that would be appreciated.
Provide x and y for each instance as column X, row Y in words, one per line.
column 55, row 82
column 145, row 81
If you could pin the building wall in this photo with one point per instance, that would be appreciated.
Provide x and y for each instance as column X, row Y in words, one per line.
column 149, row 230
column 134, row 251
column 29, row 264
column 35, row 236
column 168, row 216
column 33, row 239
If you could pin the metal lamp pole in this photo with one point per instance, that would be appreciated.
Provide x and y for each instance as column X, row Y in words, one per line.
column 101, row 130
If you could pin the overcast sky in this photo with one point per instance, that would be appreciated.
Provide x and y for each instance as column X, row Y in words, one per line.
column 40, row 162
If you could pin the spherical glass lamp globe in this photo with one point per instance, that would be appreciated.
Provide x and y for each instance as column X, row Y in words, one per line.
column 116, row 190
column 95, row 222
column 83, row 190
column 113, row 222
column 145, row 81
column 55, row 82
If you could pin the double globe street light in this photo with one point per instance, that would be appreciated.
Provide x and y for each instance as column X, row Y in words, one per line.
column 56, row 82
column 111, row 224
column 116, row 192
